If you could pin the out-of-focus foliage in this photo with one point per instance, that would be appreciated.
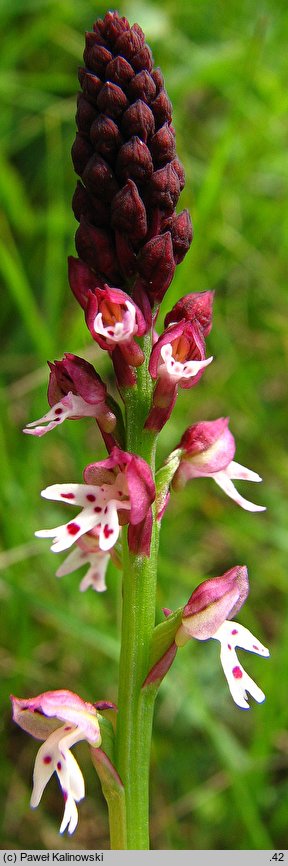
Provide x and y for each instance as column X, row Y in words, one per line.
column 219, row 776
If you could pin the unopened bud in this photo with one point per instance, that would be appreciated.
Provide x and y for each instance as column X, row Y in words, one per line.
column 162, row 108
column 99, row 178
column 81, row 152
column 128, row 212
column 156, row 265
column 163, row 146
column 91, row 84
column 142, row 87
column 93, row 209
column 95, row 247
column 134, row 161
column 119, row 71
column 182, row 235
column 112, row 100
column 106, row 137
column 164, row 188
column 138, row 120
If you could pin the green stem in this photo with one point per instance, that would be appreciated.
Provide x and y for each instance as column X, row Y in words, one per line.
column 135, row 708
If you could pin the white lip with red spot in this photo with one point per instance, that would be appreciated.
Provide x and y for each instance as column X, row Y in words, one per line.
column 95, row 576
column 231, row 634
column 120, row 331
column 54, row 756
column 100, row 507
column 71, row 406
column 175, row 369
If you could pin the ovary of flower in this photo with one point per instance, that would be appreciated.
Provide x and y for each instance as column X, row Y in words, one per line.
column 71, row 406
column 241, row 473
column 99, row 511
column 54, row 756
column 231, row 634
column 120, row 331
column 95, row 576
column 175, row 369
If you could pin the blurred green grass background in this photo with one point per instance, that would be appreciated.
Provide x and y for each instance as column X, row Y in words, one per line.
column 219, row 777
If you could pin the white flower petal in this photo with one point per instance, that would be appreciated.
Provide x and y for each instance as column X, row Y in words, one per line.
column 110, row 529
column 95, row 576
column 223, row 481
column 74, row 494
column 43, row 770
column 70, row 817
column 73, row 561
column 241, row 473
column 235, row 634
column 66, row 534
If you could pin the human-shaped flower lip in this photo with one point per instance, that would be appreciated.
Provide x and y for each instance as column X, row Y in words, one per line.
column 120, row 331
column 124, row 484
column 208, row 449
column 43, row 717
column 87, row 551
column 70, row 406
column 232, row 634
column 100, row 506
column 177, row 370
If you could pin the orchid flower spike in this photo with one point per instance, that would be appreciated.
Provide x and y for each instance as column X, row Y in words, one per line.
column 208, row 449
column 43, row 717
column 207, row 615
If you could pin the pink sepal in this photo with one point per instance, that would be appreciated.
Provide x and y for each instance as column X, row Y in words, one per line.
column 41, row 715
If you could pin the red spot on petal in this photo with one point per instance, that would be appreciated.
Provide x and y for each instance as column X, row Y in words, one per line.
column 255, row 647
column 67, row 495
column 110, row 332
column 68, row 728
column 65, row 795
column 237, row 673
column 235, row 631
column 97, row 509
column 73, row 528
column 229, row 646
column 47, row 759
column 58, row 411
column 59, row 765
column 107, row 531
column 105, row 510
column 90, row 497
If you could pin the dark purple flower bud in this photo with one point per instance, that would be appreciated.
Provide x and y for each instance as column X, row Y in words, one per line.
column 164, row 188
column 128, row 212
column 195, row 307
column 113, row 25
column 162, row 108
column 96, row 56
column 163, row 146
column 91, row 208
column 106, row 137
column 100, row 179
column 112, row 100
column 119, row 71
column 182, row 235
column 126, row 255
column 134, row 161
column 142, row 87
column 90, row 83
column 95, row 247
column 82, row 280
column 138, row 120
column 178, row 168
column 158, row 79
column 143, row 59
column 157, row 266
column 128, row 43
column 81, row 152
column 85, row 114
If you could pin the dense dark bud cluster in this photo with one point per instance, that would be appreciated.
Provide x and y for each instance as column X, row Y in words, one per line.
column 130, row 178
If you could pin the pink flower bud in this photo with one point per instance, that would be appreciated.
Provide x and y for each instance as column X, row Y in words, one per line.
column 195, row 307
column 211, row 603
